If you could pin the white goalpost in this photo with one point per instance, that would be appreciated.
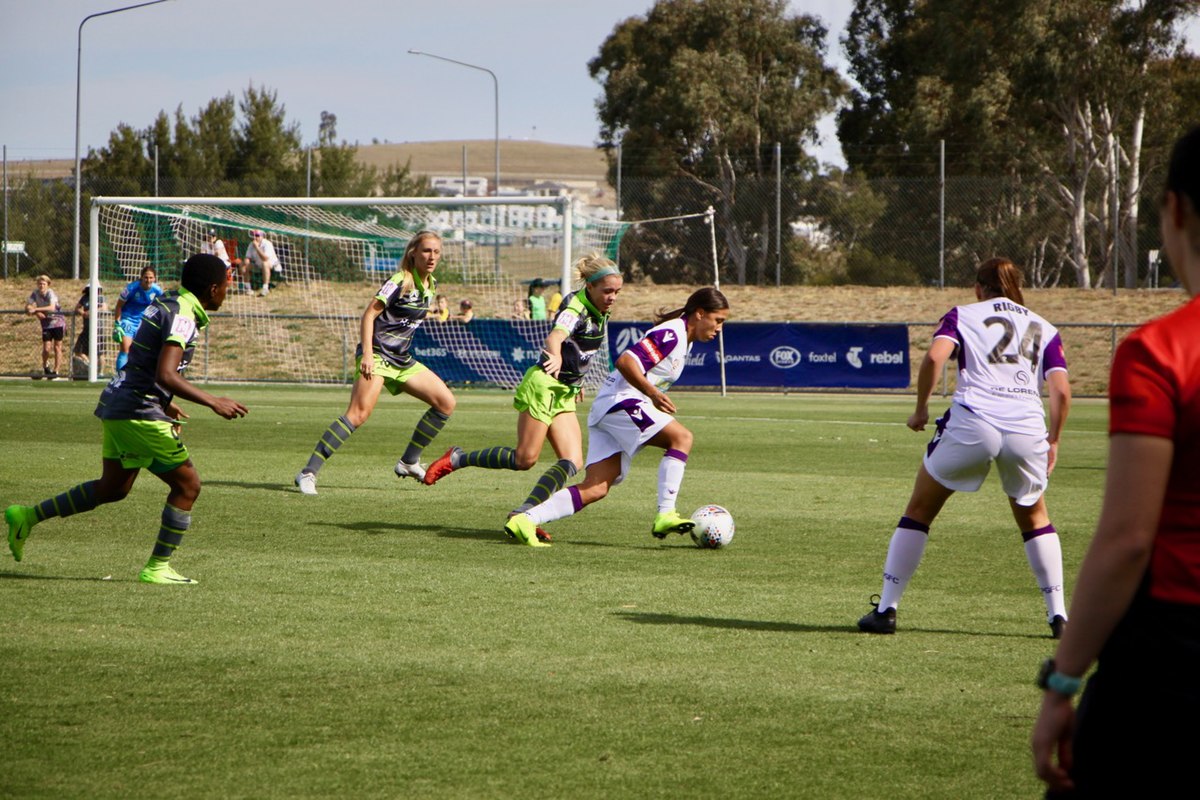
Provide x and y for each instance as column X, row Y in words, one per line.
column 334, row 252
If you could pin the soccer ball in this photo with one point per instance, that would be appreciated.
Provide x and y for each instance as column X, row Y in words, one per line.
column 714, row 527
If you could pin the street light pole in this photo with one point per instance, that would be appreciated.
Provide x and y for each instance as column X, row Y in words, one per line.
column 496, row 136
column 78, row 71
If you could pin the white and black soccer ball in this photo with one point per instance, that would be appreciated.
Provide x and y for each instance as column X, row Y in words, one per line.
column 714, row 527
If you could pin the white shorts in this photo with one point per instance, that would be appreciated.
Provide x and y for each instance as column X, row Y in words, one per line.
column 624, row 430
column 965, row 445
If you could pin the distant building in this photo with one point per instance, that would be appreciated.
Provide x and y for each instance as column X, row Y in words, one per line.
column 452, row 186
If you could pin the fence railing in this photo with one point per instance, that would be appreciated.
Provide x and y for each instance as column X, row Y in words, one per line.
column 223, row 356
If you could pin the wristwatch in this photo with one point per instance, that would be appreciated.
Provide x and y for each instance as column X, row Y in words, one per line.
column 1050, row 678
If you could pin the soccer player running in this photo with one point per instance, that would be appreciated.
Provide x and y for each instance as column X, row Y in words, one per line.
column 133, row 302
column 632, row 410
column 1005, row 354
column 1136, row 606
column 549, row 390
column 384, row 361
column 141, row 421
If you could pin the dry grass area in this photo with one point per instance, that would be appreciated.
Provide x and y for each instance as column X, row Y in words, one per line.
column 1088, row 348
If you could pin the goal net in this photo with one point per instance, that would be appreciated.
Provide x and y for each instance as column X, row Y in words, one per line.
column 334, row 253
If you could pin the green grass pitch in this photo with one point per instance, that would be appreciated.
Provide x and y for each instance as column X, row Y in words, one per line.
column 384, row 639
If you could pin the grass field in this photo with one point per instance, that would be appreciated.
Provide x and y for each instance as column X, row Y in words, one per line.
column 383, row 639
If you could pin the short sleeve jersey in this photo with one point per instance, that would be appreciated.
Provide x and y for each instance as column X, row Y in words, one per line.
column 137, row 300
column 1005, row 351
column 585, row 327
column 1154, row 390
column 217, row 248
column 403, row 312
column 55, row 319
column 662, row 354
column 135, row 392
column 537, row 307
column 272, row 260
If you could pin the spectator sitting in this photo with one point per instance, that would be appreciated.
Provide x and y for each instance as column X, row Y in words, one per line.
column 441, row 310
column 465, row 312
column 537, row 303
column 261, row 253
column 520, row 310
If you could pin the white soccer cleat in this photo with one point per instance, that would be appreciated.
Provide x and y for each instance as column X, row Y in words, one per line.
column 406, row 470
column 307, row 483
column 266, row 290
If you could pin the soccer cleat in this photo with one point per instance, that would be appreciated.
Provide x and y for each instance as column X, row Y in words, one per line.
column 542, row 534
column 522, row 528
column 670, row 522
column 307, row 482
column 440, row 468
column 878, row 621
column 162, row 573
column 407, row 470
column 20, row 520
column 1057, row 625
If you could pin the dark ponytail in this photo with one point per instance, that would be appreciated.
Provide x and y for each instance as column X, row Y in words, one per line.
column 707, row 298
column 1000, row 277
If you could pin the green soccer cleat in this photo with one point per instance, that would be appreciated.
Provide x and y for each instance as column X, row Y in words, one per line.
column 521, row 528
column 162, row 573
column 670, row 522
column 20, row 520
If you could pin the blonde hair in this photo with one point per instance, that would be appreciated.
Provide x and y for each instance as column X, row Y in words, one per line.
column 410, row 256
column 45, row 278
column 1000, row 277
column 593, row 263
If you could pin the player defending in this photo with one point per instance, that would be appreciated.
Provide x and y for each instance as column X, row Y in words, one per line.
column 133, row 302
column 632, row 410
column 547, row 394
column 140, row 420
column 1005, row 353
column 385, row 361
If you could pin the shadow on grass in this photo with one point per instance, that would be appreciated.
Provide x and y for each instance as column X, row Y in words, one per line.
column 375, row 528
column 648, row 618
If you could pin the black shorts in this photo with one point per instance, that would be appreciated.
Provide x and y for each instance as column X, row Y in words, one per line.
column 52, row 334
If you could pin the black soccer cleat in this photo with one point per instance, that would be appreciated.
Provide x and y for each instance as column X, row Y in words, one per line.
column 878, row 621
column 1056, row 626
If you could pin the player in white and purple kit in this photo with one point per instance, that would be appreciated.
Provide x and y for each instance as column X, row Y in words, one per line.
column 1006, row 353
column 632, row 410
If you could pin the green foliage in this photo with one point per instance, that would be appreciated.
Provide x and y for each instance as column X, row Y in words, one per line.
column 703, row 91
column 384, row 639
column 40, row 213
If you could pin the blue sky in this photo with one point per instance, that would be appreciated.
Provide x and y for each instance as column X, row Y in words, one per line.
column 349, row 57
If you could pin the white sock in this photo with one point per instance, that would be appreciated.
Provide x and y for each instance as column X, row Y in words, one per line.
column 561, row 504
column 1044, row 552
column 670, row 477
column 904, row 556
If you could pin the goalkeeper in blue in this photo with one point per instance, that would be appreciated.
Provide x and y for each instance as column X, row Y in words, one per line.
column 141, row 421
column 385, row 361
column 547, row 395
column 632, row 410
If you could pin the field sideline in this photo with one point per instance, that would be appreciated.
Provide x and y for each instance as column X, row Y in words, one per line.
column 383, row 639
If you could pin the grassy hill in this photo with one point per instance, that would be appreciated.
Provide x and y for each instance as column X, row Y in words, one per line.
column 520, row 161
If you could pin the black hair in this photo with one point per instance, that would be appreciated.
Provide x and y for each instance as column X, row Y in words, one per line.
column 1183, row 170
column 708, row 298
column 202, row 271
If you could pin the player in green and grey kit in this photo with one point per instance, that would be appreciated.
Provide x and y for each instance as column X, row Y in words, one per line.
column 547, row 394
column 140, row 419
column 384, row 362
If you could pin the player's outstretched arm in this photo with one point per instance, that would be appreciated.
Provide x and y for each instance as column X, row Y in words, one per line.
column 168, row 375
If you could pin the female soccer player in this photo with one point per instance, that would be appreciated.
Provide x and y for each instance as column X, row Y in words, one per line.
column 547, row 394
column 140, row 419
column 1136, row 605
column 384, row 362
column 134, row 300
column 1005, row 354
column 631, row 411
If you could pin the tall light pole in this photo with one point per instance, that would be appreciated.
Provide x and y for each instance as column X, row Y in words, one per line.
column 496, row 137
column 78, row 70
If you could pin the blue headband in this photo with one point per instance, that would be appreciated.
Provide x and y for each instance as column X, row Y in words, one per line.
column 603, row 272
